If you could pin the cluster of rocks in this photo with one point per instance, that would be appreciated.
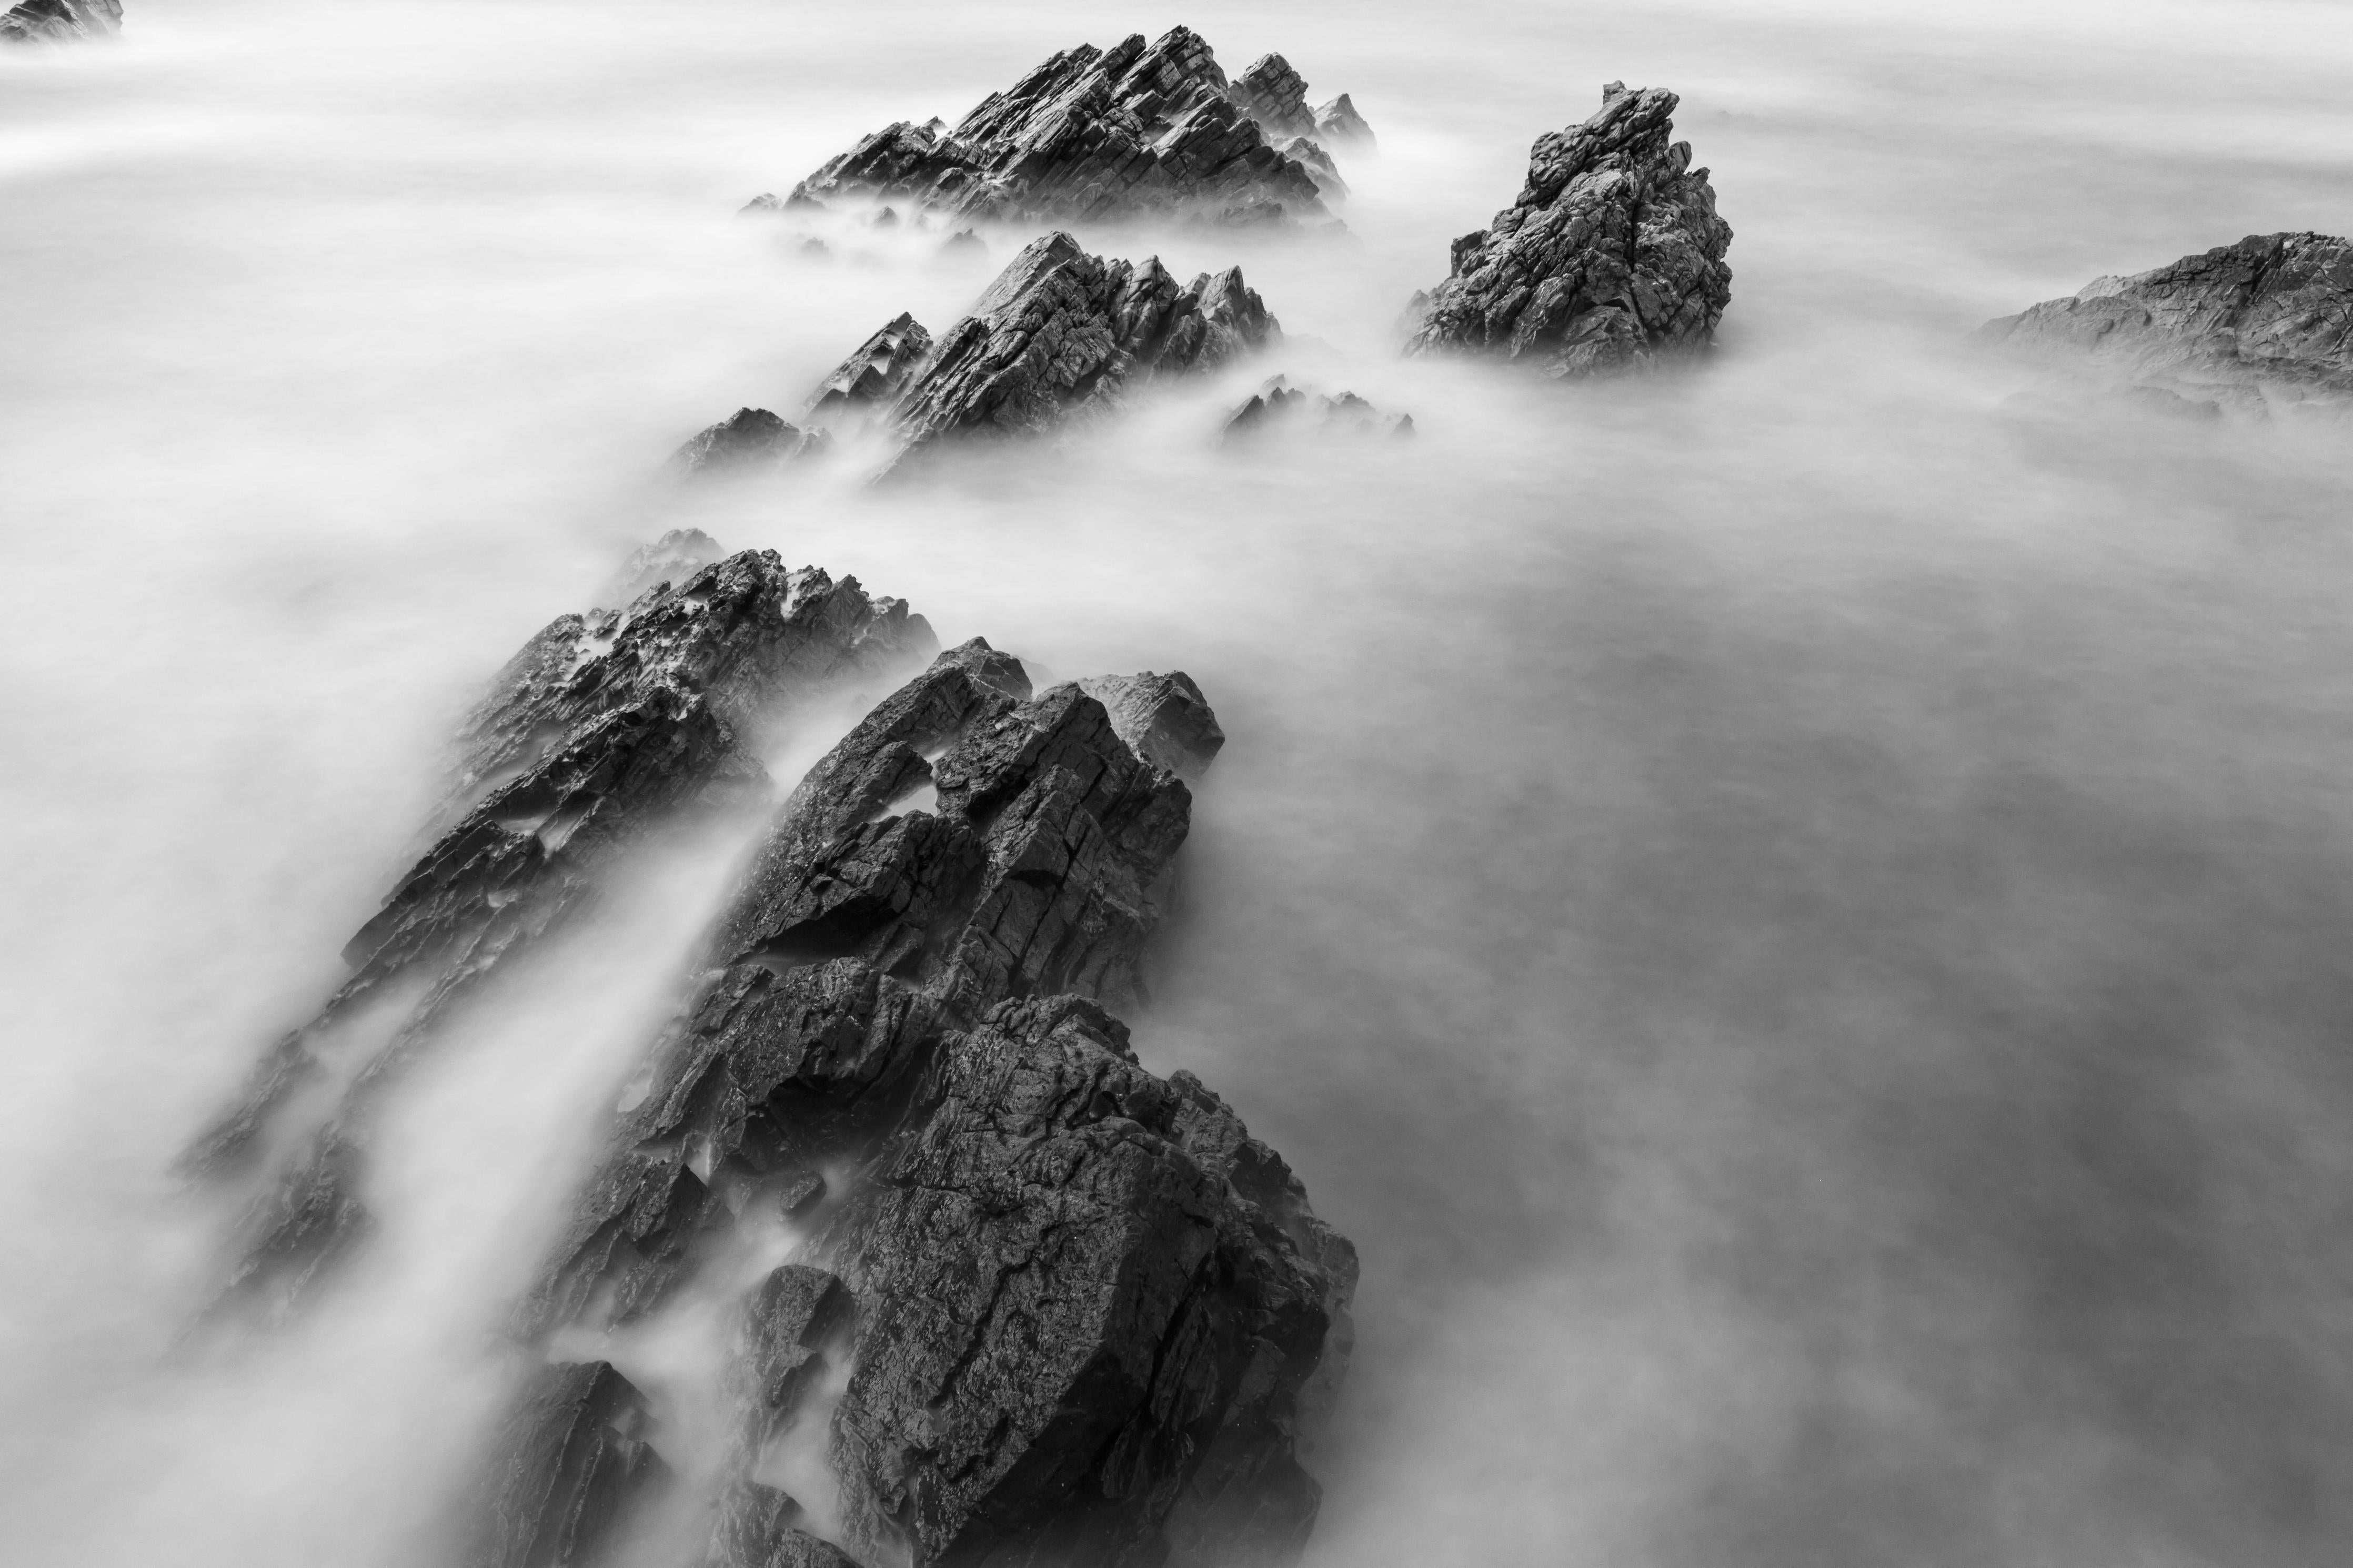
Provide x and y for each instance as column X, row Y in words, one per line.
column 1611, row 260
column 1059, row 335
column 61, row 21
column 607, row 728
column 1279, row 409
column 1094, row 134
column 2261, row 327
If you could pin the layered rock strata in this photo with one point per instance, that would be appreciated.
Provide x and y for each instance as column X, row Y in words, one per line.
column 748, row 439
column 1610, row 260
column 605, row 731
column 1083, row 1316
column 61, row 21
column 1137, row 130
column 1059, row 336
column 2261, row 327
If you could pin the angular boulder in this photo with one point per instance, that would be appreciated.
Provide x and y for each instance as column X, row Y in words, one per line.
column 1137, row 130
column 749, row 438
column 2264, row 326
column 1610, row 260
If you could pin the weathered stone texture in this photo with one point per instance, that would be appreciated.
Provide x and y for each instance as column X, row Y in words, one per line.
column 61, row 21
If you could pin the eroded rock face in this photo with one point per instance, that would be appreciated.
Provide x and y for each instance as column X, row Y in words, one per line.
column 1087, row 1315
column 2264, row 326
column 1060, row 335
column 1280, row 409
column 749, row 438
column 1611, row 260
column 61, row 21
column 1094, row 134
column 607, row 728
column 574, row 1469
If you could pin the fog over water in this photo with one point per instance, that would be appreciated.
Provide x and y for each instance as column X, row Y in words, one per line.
column 1801, row 916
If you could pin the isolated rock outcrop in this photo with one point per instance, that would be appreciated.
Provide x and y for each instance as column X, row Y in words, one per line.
column 61, row 21
column 2264, row 326
column 1611, row 260
column 748, row 439
column 607, row 728
column 1059, row 335
column 1088, row 1318
column 1094, row 134
column 1279, row 409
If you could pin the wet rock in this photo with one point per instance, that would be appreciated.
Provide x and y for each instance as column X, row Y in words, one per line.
column 1091, row 134
column 61, row 21
column 749, row 438
column 1278, row 408
column 1088, row 1318
column 575, row 1467
column 1610, row 260
column 607, row 728
column 2260, row 328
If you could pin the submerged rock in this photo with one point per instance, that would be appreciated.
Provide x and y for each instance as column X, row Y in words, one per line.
column 1094, row 134
column 1088, row 1316
column 1059, row 335
column 1278, row 408
column 1611, row 260
column 2261, row 327
column 61, row 21
column 749, row 438
column 605, row 731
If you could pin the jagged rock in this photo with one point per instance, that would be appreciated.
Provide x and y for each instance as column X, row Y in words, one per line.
column 749, row 438
column 61, row 21
column 963, row 244
column 2260, row 326
column 1275, row 96
column 1611, row 260
column 673, row 558
column 1091, row 1313
column 1317, row 163
column 1337, row 125
column 1091, row 134
column 1061, row 332
column 603, row 729
column 574, row 1467
column 874, row 374
column 1279, row 407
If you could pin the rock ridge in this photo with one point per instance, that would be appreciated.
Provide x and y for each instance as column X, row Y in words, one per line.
column 61, row 21
column 1611, row 260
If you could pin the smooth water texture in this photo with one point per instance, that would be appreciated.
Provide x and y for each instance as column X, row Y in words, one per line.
column 1801, row 915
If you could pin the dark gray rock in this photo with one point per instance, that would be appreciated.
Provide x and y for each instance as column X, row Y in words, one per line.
column 2264, row 326
column 1089, row 1315
column 1280, row 409
column 873, row 376
column 575, row 1467
column 61, row 21
column 1611, row 260
column 1337, row 125
column 1091, row 134
column 605, row 730
column 750, row 438
column 1275, row 96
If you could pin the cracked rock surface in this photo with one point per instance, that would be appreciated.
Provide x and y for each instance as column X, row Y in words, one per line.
column 1610, row 260
column 2261, row 327
column 1094, row 134
column 1085, row 1316
column 61, row 21
column 605, row 729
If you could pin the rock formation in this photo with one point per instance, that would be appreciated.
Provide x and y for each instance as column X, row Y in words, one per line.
column 2260, row 327
column 1095, row 134
column 61, row 21
column 749, row 438
column 1059, row 335
column 1084, row 1315
column 1611, row 260
column 1278, row 408
column 603, row 730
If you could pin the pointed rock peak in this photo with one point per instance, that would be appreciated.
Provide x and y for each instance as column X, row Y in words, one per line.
column 985, row 665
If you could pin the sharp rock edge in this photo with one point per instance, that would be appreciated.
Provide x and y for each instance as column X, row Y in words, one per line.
column 1280, row 409
column 61, row 21
column 2258, row 329
column 1138, row 130
column 1060, row 334
column 1074, row 1312
column 607, row 728
column 1610, row 260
